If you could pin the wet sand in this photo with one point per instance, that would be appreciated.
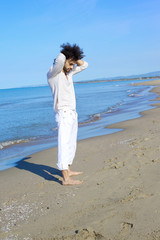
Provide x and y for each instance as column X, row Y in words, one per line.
column 118, row 200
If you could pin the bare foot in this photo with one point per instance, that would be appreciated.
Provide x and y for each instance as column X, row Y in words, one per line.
column 71, row 182
column 74, row 173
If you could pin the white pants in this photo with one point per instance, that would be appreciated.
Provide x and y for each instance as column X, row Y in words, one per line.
column 67, row 124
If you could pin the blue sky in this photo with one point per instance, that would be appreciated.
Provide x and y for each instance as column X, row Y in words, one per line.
column 119, row 38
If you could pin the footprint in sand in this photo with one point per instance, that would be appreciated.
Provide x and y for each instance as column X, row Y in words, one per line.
column 154, row 235
column 126, row 231
column 87, row 234
column 112, row 164
column 117, row 165
column 126, row 228
column 135, row 194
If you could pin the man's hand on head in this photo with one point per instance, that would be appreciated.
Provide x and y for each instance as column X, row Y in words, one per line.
column 79, row 62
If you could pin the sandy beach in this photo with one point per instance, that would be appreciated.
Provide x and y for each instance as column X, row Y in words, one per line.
column 118, row 200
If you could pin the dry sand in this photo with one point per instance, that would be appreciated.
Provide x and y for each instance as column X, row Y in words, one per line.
column 119, row 199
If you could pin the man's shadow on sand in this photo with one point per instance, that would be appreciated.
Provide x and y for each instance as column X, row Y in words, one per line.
column 42, row 170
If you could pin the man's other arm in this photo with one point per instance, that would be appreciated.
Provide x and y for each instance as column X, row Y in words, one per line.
column 80, row 62
column 81, row 65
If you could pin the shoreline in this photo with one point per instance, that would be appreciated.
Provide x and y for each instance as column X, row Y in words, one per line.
column 94, row 126
column 118, row 200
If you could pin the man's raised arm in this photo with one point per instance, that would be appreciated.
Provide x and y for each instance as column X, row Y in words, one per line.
column 57, row 66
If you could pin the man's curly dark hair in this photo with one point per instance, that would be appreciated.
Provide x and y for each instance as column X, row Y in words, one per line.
column 72, row 51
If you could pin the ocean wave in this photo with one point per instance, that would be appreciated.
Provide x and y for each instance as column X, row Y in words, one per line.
column 98, row 116
column 92, row 118
column 132, row 95
column 135, row 95
column 139, row 92
column 114, row 107
column 4, row 104
column 13, row 142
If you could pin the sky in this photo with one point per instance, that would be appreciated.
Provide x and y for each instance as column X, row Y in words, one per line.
column 118, row 37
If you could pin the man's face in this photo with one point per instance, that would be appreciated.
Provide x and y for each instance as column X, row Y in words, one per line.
column 68, row 66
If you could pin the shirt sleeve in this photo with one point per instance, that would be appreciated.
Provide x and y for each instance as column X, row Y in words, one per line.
column 78, row 69
column 57, row 66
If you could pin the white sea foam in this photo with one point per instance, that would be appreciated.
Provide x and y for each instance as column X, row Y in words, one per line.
column 132, row 95
column 13, row 142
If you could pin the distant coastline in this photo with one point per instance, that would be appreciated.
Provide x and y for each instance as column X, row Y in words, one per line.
column 151, row 75
column 118, row 79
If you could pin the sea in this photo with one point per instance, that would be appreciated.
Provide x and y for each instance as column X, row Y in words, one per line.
column 27, row 122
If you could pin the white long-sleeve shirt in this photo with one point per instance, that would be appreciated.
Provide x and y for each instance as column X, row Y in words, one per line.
column 61, row 86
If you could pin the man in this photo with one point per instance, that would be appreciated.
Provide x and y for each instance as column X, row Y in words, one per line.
column 68, row 63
